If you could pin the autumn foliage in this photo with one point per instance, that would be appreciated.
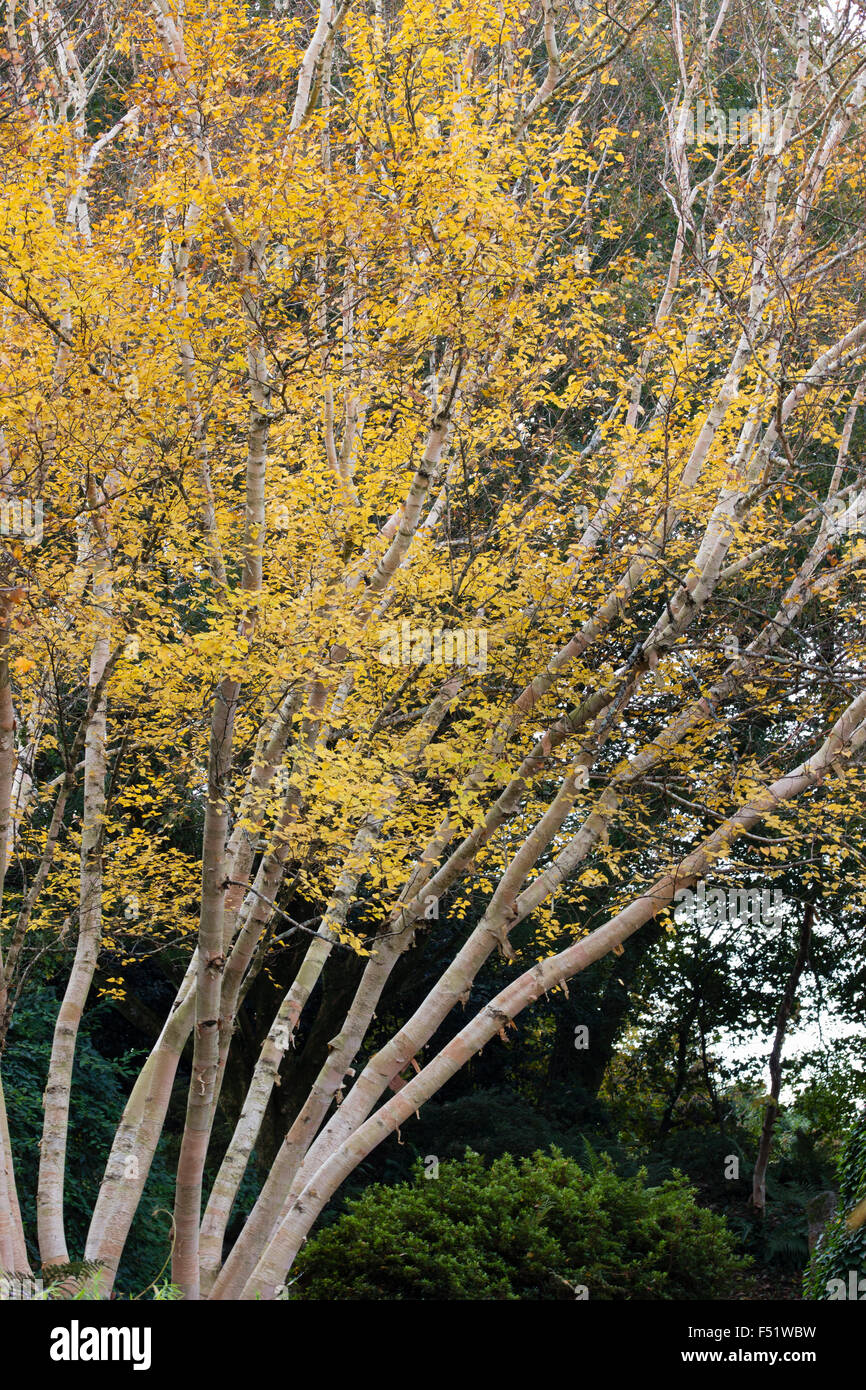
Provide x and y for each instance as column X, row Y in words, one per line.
column 450, row 484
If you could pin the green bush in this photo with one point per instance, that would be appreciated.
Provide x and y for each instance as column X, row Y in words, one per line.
column 533, row 1228
column 841, row 1252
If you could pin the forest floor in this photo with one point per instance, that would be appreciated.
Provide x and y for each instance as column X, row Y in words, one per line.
column 771, row 1286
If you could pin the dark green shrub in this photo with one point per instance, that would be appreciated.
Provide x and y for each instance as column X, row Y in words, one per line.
column 533, row 1228
column 840, row 1252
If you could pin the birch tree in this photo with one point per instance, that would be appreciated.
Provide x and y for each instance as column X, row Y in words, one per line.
column 447, row 442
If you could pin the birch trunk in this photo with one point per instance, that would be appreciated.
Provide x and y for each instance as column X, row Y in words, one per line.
column 52, row 1162
column 847, row 739
column 783, row 1014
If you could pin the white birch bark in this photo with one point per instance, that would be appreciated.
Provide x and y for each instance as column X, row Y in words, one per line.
column 52, row 1162
column 846, row 740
